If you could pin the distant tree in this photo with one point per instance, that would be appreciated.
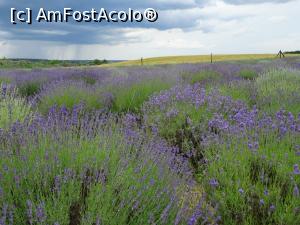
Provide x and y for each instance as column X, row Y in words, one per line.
column 54, row 62
column 99, row 62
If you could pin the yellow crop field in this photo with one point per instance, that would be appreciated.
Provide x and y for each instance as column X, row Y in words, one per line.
column 194, row 59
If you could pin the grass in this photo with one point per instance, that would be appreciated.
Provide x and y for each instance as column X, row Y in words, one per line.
column 194, row 59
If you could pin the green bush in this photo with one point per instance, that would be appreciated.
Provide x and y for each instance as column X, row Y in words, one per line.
column 12, row 108
column 131, row 98
column 203, row 76
column 70, row 95
column 99, row 62
column 279, row 89
column 248, row 74
column 30, row 88
column 89, row 80
column 244, row 90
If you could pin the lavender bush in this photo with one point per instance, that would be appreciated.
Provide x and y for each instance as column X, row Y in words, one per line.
column 55, row 169
column 12, row 107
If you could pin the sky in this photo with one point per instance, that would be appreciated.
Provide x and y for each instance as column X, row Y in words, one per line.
column 190, row 27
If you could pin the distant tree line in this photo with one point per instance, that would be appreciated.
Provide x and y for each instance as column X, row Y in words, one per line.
column 292, row 52
column 42, row 63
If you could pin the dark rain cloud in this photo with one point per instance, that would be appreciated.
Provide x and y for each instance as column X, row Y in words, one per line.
column 172, row 14
column 87, row 33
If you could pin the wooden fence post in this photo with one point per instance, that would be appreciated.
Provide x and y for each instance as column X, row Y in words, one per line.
column 211, row 58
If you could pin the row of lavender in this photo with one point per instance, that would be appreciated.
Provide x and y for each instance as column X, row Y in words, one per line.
column 186, row 155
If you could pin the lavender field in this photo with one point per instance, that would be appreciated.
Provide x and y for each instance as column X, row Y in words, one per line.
column 169, row 144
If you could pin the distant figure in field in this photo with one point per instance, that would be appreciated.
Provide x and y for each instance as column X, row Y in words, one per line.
column 280, row 54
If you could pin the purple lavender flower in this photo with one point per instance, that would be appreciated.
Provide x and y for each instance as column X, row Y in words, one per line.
column 152, row 181
column 213, row 183
column 198, row 213
column 172, row 113
column 40, row 213
column 296, row 191
column 261, row 202
column 193, row 220
column 57, row 184
column 29, row 212
column 253, row 146
column 296, row 169
column 98, row 221
column 272, row 208
column 17, row 180
column 11, row 216
column 4, row 214
column 241, row 191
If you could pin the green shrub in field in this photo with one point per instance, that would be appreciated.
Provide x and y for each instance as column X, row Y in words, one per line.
column 12, row 107
column 30, row 88
column 89, row 80
column 131, row 98
column 257, row 186
column 248, row 74
column 279, row 89
column 203, row 76
column 69, row 95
